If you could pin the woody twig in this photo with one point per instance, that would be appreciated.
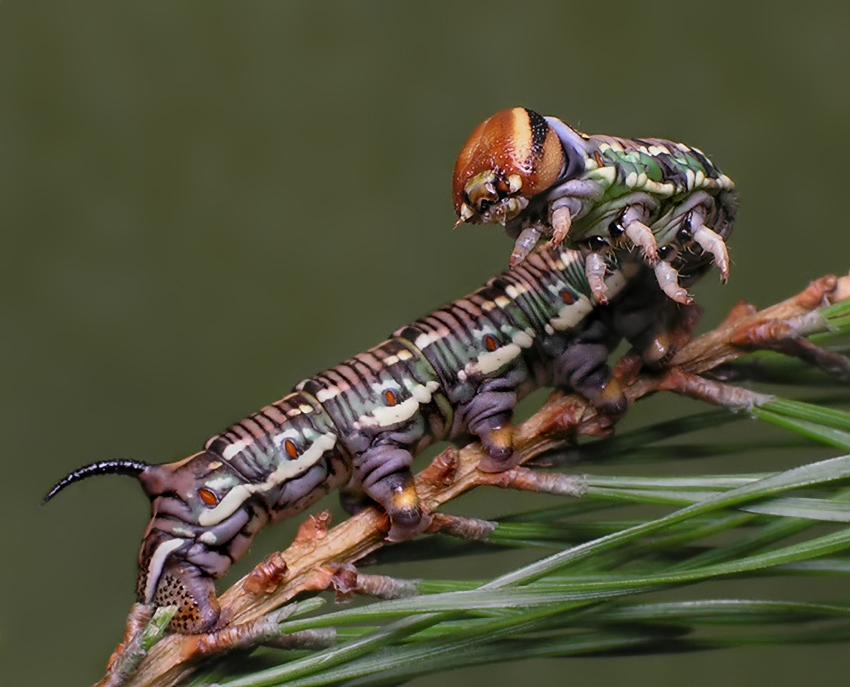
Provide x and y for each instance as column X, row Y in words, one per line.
column 320, row 555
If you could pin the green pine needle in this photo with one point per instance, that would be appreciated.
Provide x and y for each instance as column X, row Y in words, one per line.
column 595, row 557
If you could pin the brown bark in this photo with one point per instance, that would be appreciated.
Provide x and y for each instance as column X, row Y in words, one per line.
column 319, row 552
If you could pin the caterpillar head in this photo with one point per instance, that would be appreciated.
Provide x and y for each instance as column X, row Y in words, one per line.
column 509, row 158
column 202, row 520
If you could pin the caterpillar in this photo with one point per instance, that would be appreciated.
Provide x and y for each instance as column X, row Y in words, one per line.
column 537, row 176
column 552, row 319
column 456, row 374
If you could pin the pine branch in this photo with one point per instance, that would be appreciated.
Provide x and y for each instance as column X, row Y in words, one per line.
column 322, row 557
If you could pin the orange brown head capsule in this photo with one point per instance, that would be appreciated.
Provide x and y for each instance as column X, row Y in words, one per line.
column 509, row 158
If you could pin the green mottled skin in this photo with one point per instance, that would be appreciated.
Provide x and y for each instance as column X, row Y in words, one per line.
column 660, row 174
column 685, row 173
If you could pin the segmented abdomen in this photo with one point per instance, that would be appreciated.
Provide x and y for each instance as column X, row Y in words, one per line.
column 389, row 386
column 663, row 168
column 287, row 453
column 428, row 382
column 673, row 178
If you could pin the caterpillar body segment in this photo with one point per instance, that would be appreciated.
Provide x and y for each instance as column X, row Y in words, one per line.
column 539, row 177
column 455, row 374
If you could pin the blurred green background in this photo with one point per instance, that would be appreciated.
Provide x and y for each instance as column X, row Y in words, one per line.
column 201, row 203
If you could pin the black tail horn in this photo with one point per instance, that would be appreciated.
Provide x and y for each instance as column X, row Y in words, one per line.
column 122, row 466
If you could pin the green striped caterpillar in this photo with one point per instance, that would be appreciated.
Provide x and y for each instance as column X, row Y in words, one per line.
column 538, row 177
column 456, row 374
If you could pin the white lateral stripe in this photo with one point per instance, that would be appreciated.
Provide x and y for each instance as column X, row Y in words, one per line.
column 157, row 563
column 490, row 361
column 291, row 468
column 570, row 315
column 384, row 416
column 493, row 360
column 286, row 470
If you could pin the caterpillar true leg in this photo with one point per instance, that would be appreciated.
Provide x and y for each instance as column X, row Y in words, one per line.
column 594, row 268
column 521, row 169
column 668, row 280
column 561, row 223
column 640, row 234
column 710, row 242
column 525, row 243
